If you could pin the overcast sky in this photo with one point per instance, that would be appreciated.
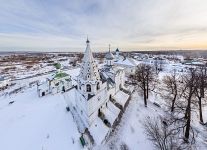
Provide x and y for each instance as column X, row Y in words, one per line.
column 63, row 25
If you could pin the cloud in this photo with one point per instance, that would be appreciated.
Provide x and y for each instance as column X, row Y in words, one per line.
column 130, row 25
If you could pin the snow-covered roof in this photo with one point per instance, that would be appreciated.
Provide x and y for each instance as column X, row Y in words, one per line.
column 111, row 112
column 128, row 62
column 98, row 130
column 109, row 56
column 59, row 75
column 121, row 98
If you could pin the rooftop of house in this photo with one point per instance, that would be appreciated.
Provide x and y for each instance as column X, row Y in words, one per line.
column 128, row 62
column 61, row 75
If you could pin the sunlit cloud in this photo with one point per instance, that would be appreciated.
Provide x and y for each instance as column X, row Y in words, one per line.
column 54, row 25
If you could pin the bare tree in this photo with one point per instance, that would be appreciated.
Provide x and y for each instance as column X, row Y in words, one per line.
column 190, row 82
column 186, row 104
column 201, row 76
column 144, row 78
column 163, row 136
column 171, row 89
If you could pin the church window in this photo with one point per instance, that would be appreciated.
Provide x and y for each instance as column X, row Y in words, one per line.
column 98, row 86
column 81, row 112
column 88, row 88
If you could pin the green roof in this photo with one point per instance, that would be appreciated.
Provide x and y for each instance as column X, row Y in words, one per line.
column 57, row 65
column 61, row 75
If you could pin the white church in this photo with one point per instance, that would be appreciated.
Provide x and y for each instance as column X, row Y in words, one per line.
column 56, row 83
column 129, row 64
column 100, row 97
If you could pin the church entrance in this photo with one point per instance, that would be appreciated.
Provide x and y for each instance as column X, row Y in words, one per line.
column 99, row 112
column 63, row 89
column 43, row 93
column 110, row 97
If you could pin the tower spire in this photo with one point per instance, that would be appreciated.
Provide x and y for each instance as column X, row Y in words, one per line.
column 87, row 41
column 89, row 69
column 109, row 48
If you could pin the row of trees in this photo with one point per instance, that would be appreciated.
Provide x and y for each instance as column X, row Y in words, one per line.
column 183, row 93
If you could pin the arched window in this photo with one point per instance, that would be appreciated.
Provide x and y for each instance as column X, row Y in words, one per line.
column 98, row 86
column 110, row 97
column 88, row 88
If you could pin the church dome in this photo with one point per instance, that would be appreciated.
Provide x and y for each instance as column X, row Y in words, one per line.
column 117, row 50
column 109, row 56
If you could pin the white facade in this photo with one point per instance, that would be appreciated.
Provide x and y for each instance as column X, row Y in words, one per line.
column 96, row 86
column 59, row 82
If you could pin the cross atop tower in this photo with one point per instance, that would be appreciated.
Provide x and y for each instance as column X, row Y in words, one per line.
column 87, row 41
column 109, row 48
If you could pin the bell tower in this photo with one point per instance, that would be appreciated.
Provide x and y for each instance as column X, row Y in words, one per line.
column 109, row 58
column 89, row 78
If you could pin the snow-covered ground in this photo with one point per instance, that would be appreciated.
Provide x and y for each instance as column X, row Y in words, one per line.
column 130, row 131
column 33, row 123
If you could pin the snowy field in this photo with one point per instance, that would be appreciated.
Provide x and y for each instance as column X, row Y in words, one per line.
column 33, row 123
